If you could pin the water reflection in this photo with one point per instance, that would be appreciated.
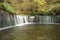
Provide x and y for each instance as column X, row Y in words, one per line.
column 32, row 32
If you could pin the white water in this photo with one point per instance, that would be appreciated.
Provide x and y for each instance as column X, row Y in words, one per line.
column 24, row 20
column 20, row 19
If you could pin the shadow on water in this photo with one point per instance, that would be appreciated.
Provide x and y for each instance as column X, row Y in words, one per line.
column 32, row 32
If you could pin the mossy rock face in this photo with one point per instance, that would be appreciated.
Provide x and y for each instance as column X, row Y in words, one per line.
column 6, row 19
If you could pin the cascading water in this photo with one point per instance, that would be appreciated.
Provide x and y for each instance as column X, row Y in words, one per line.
column 21, row 19
column 18, row 20
column 45, row 19
column 33, row 19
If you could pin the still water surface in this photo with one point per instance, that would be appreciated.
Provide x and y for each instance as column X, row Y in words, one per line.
column 32, row 32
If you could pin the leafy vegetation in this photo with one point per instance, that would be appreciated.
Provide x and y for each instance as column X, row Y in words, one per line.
column 32, row 7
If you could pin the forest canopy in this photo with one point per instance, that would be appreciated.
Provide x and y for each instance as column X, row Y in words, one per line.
column 32, row 7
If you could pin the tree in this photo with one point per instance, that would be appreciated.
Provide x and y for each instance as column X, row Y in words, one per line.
column 32, row 6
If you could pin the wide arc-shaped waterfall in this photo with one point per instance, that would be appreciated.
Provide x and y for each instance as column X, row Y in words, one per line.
column 33, row 19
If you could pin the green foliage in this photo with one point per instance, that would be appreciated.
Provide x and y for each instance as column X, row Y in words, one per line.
column 34, row 7
column 9, row 8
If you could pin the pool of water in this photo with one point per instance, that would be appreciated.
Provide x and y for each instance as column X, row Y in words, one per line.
column 32, row 32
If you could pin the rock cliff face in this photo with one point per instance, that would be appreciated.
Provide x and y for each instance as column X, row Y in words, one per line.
column 6, row 19
column 28, row 7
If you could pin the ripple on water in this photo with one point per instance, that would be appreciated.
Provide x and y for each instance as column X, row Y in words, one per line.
column 32, row 32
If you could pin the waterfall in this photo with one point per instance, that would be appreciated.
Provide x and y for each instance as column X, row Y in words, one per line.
column 46, row 19
column 21, row 19
column 31, row 19
column 11, row 20
column 35, row 19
